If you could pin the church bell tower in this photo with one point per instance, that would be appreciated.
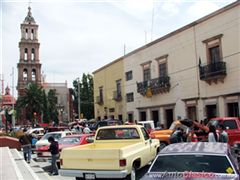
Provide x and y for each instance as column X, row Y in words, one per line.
column 29, row 67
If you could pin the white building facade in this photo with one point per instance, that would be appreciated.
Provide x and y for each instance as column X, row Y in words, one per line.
column 192, row 72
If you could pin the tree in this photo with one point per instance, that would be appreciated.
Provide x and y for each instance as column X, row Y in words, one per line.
column 45, row 108
column 31, row 102
column 52, row 100
column 86, row 96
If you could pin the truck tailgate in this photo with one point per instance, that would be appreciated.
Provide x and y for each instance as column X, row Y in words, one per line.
column 90, row 158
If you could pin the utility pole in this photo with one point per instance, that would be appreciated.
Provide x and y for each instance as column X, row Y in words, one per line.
column 79, row 106
column 13, row 118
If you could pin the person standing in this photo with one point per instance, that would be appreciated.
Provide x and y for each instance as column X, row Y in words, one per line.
column 54, row 149
column 223, row 135
column 212, row 135
column 25, row 141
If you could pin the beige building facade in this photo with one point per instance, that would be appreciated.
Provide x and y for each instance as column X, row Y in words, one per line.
column 109, row 100
column 192, row 72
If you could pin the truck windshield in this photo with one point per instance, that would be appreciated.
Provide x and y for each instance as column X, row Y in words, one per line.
column 192, row 163
column 117, row 134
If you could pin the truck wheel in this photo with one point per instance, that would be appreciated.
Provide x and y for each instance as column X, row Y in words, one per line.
column 132, row 175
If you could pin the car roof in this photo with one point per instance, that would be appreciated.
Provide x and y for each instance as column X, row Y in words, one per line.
column 77, row 135
column 120, row 126
column 196, row 147
column 224, row 118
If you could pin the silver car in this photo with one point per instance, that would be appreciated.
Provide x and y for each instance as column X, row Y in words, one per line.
column 195, row 161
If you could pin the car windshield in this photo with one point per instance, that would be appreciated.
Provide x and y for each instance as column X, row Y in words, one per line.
column 69, row 140
column 117, row 133
column 56, row 136
column 213, row 123
column 192, row 163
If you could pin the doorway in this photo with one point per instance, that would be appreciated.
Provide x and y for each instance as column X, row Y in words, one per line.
column 143, row 116
column 233, row 109
column 155, row 118
column 211, row 111
column 169, row 117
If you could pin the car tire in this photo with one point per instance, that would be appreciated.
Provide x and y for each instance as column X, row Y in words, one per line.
column 132, row 175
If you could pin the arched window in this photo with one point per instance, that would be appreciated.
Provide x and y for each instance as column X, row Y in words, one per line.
column 26, row 34
column 25, row 54
column 25, row 75
column 33, row 54
column 32, row 32
column 33, row 75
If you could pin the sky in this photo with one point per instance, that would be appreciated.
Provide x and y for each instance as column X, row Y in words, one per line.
column 81, row 36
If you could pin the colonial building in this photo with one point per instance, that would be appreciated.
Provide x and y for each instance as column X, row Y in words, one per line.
column 192, row 72
column 109, row 91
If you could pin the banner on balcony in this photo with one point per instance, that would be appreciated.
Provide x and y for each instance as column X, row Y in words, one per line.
column 149, row 92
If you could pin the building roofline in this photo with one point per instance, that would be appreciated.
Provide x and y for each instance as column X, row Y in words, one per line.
column 188, row 26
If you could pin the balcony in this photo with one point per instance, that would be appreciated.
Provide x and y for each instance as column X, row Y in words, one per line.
column 117, row 96
column 154, row 86
column 99, row 100
column 213, row 72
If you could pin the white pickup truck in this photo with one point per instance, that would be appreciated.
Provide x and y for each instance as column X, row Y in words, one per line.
column 117, row 152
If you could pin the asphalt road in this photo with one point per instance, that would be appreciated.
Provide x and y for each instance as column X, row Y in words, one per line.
column 46, row 166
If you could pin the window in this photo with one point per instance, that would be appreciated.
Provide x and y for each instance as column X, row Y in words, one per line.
column 33, row 54
column 101, row 94
column 33, row 75
column 146, row 74
column 32, row 34
column 214, row 49
column 25, row 54
column 163, row 69
column 162, row 65
column 130, row 97
column 145, row 134
column 230, row 124
column 130, row 116
column 214, row 54
column 191, row 163
column 25, row 75
column 26, row 34
column 128, row 75
column 118, row 84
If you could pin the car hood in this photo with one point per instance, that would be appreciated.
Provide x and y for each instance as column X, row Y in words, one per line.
column 162, row 132
column 41, row 143
column 190, row 175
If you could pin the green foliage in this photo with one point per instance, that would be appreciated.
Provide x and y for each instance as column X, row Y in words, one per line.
column 31, row 101
column 86, row 96
column 52, row 102
column 45, row 109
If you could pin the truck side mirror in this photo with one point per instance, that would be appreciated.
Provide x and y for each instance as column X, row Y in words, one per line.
column 89, row 139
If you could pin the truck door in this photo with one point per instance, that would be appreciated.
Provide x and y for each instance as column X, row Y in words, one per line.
column 233, row 130
column 150, row 151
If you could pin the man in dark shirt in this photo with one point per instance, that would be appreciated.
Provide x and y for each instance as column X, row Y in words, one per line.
column 54, row 149
column 25, row 141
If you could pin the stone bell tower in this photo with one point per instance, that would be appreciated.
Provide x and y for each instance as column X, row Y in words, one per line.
column 29, row 67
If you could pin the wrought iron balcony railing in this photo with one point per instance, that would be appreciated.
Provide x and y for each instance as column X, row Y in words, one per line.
column 212, row 70
column 155, row 86
column 117, row 96
column 99, row 100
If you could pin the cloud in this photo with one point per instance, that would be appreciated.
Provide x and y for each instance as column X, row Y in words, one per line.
column 201, row 8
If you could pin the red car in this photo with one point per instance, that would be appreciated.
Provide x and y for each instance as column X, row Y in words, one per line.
column 67, row 141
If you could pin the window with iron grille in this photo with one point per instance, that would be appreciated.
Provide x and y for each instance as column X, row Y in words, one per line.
column 214, row 53
column 130, row 97
column 128, row 75
column 163, row 69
